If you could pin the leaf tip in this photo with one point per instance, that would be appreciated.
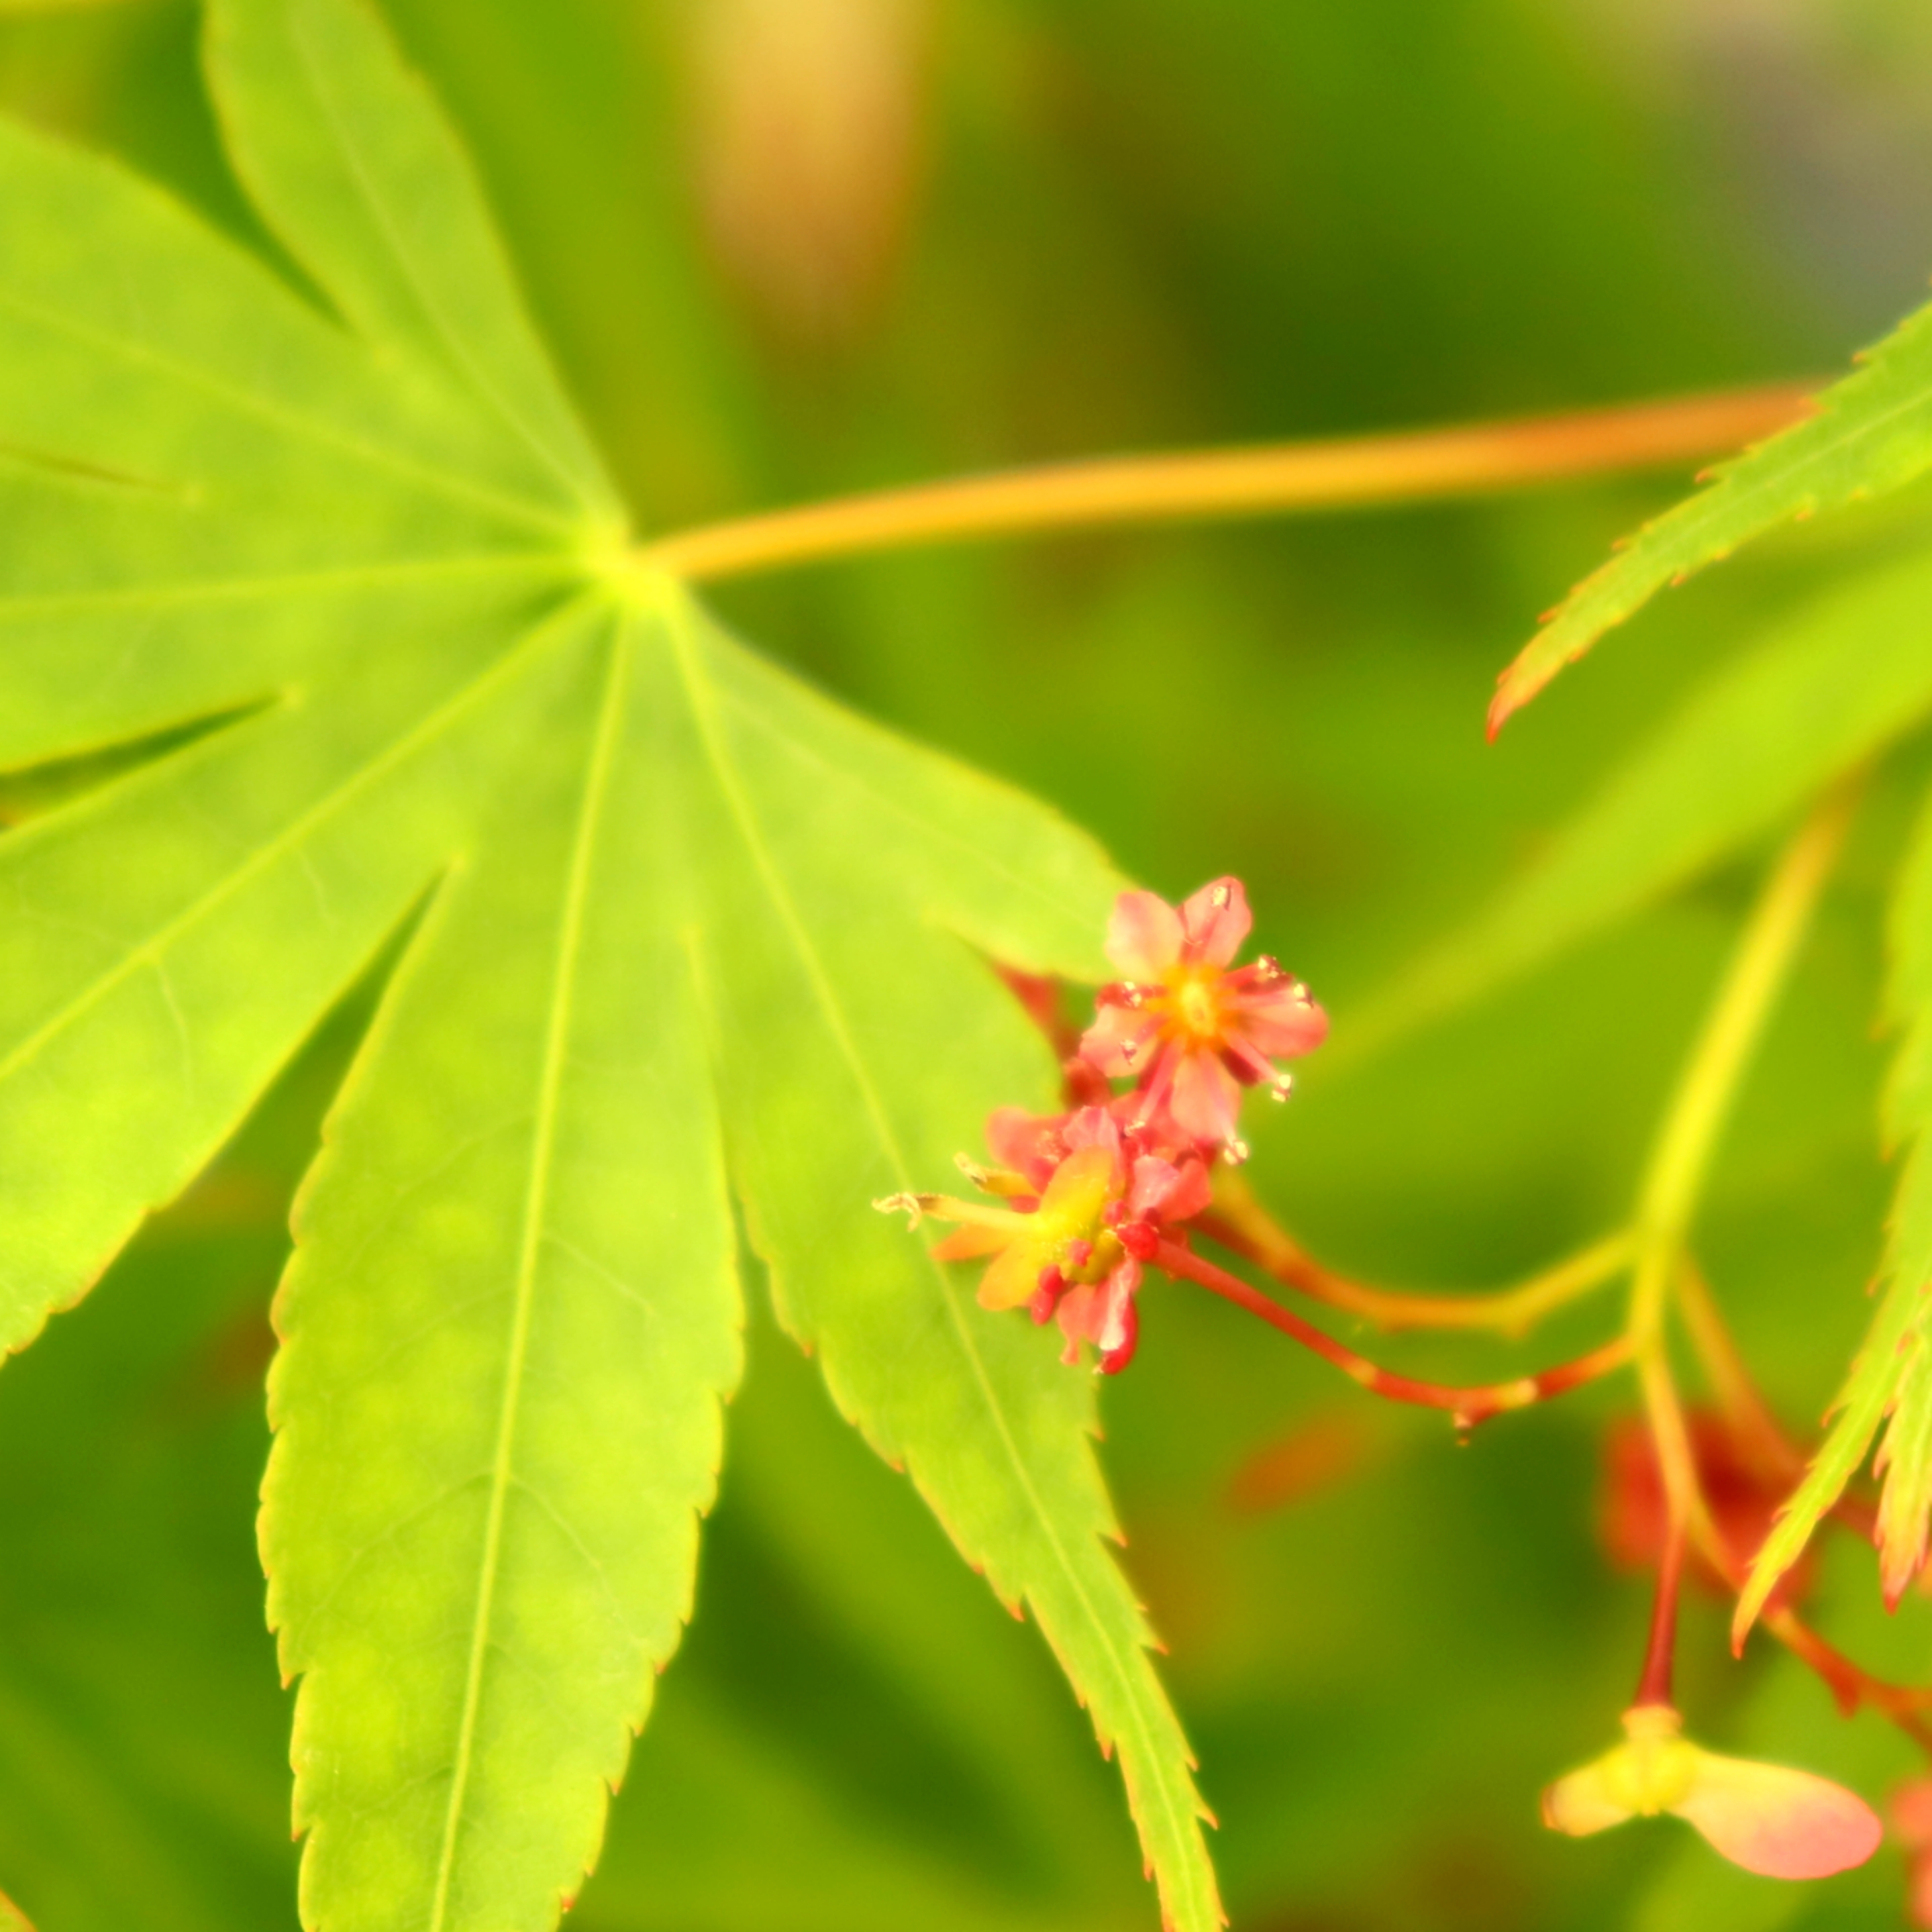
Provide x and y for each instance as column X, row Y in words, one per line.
column 1511, row 696
column 1745, row 1616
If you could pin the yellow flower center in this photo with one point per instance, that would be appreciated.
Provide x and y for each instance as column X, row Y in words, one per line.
column 1195, row 993
column 1074, row 1211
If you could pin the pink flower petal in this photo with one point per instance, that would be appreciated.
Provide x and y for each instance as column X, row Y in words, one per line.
column 1154, row 1180
column 1118, row 1041
column 1122, row 1339
column 1028, row 1144
column 1093, row 1127
column 1081, row 1314
column 1117, row 1299
column 1781, row 1823
column 1216, row 919
column 1204, row 1100
column 1193, row 1193
column 1144, row 936
column 1101, row 1312
column 1166, row 1191
column 1280, row 1026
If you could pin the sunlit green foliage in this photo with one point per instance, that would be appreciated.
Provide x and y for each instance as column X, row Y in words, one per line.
column 1141, row 225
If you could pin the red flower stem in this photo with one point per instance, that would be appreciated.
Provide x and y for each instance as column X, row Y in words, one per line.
column 1653, row 1685
column 1468, row 1406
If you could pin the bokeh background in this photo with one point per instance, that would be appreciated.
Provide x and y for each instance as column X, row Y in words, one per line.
column 789, row 247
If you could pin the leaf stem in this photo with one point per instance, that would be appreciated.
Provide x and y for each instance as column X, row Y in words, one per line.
column 1334, row 474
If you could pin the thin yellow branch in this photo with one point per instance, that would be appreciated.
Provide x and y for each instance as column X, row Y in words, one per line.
column 1673, row 1181
column 1752, row 1423
column 1410, row 467
column 1240, row 1223
column 1763, row 959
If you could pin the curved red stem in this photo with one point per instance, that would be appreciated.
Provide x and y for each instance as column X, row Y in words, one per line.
column 1467, row 1405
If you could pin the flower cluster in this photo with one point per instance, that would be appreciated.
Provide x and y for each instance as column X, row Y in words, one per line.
column 1088, row 1196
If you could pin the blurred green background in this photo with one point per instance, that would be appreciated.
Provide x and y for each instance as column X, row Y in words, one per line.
column 788, row 247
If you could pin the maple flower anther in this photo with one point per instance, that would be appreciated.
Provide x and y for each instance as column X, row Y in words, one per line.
column 1768, row 1818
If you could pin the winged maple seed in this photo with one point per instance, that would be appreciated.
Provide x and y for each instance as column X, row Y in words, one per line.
column 1093, row 1192
column 1768, row 1818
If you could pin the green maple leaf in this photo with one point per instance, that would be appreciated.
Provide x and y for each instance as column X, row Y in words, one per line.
column 1872, row 433
column 683, row 940
column 1890, row 1385
column 1833, row 685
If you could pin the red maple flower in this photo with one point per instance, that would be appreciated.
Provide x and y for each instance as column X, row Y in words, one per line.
column 1085, row 1207
column 1190, row 1031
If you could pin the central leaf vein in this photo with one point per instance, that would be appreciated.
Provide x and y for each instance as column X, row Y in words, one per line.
column 556, row 1053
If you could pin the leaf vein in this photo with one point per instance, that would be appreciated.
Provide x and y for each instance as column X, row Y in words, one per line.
column 308, row 428
column 41, row 604
column 290, row 839
column 380, row 212
column 536, row 1206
